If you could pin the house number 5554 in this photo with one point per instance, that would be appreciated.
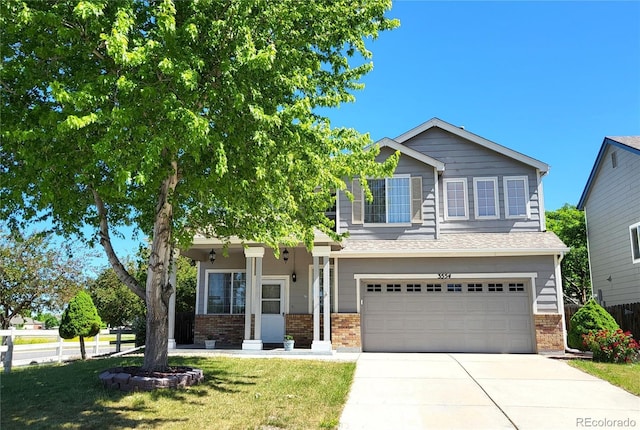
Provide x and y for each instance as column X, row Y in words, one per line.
column 444, row 275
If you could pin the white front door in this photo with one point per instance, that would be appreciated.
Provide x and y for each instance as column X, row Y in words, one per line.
column 273, row 310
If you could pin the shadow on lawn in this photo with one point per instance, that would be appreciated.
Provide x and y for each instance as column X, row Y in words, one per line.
column 71, row 395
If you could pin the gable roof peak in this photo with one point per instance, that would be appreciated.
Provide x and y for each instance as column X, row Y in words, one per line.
column 460, row 131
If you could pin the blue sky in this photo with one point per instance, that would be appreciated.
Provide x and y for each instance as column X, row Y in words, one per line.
column 548, row 79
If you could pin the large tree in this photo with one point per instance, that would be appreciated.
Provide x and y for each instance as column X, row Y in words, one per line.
column 569, row 224
column 36, row 275
column 179, row 117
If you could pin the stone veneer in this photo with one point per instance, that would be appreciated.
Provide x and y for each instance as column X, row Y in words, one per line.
column 549, row 332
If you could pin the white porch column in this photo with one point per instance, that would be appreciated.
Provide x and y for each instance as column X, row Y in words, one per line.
column 252, row 301
column 323, row 345
column 172, row 302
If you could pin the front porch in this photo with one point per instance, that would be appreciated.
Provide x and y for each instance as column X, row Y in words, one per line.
column 228, row 330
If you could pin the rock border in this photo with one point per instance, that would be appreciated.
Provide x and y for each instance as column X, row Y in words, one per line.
column 131, row 379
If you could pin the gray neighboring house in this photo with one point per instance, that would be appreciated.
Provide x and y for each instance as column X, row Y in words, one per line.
column 611, row 205
column 451, row 255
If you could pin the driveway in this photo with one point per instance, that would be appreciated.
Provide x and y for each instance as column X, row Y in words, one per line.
column 481, row 391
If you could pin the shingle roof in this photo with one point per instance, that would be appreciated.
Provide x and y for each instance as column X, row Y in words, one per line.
column 632, row 141
column 627, row 143
column 459, row 244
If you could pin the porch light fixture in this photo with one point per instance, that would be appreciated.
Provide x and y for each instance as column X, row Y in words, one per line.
column 285, row 255
column 212, row 256
column 294, row 277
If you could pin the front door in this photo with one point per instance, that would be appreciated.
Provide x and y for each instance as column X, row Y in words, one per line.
column 273, row 311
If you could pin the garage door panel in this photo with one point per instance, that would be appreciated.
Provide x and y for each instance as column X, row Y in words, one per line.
column 447, row 321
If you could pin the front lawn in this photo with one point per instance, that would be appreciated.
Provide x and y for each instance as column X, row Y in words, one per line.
column 238, row 393
column 626, row 376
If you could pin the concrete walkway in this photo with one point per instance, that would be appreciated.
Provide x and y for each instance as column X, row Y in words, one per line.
column 481, row 391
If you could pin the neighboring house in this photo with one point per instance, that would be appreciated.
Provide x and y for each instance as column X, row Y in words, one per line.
column 451, row 255
column 611, row 205
column 25, row 323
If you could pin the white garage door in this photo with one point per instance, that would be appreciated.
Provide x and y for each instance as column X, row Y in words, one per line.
column 451, row 316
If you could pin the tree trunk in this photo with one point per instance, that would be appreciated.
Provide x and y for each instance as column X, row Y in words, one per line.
column 158, row 287
column 83, row 352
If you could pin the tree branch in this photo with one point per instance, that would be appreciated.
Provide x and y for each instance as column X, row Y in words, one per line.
column 105, row 241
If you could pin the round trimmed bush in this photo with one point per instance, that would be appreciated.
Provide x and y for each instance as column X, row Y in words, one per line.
column 590, row 318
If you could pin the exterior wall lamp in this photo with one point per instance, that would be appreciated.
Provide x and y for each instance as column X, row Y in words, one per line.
column 212, row 256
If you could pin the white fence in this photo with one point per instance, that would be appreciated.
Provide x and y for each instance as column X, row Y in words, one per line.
column 59, row 349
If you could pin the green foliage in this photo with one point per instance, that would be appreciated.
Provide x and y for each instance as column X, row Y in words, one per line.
column 49, row 320
column 180, row 118
column 80, row 318
column 590, row 318
column 35, row 274
column 569, row 224
column 117, row 305
column 612, row 346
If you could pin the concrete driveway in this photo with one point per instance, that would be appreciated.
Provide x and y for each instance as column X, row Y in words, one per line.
column 481, row 391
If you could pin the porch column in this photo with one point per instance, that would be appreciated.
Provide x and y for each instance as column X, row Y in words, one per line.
column 252, row 299
column 323, row 345
column 172, row 302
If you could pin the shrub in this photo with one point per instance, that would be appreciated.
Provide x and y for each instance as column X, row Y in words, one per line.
column 139, row 327
column 81, row 319
column 612, row 346
column 590, row 318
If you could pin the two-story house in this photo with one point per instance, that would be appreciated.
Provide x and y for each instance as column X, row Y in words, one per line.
column 611, row 204
column 451, row 255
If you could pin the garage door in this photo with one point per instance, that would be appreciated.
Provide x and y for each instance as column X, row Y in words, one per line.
column 452, row 316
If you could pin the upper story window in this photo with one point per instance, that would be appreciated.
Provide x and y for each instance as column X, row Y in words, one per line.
column 226, row 292
column 516, row 196
column 485, row 198
column 391, row 201
column 396, row 200
column 634, row 232
column 455, row 199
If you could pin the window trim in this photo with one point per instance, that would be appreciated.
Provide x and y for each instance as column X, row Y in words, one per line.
column 496, row 204
column 206, row 290
column 465, row 188
column 525, row 180
column 386, row 214
column 634, row 231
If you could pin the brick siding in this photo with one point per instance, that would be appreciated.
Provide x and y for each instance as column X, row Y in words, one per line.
column 227, row 330
column 549, row 332
column 345, row 331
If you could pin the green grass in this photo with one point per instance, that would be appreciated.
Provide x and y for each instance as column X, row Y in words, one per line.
column 237, row 393
column 626, row 376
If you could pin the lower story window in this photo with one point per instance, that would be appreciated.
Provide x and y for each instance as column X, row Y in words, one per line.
column 226, row 292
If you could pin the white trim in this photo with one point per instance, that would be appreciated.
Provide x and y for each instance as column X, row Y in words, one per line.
column 386, row 204
column 206, row 289
column 390, row 143
column 534, row 298
column 446, row 203
column 541, row 211
column 335, row 285
column 358, row 298
column 321, row 251
column 198, row 286
column 280, row 278
column 527, row 203
column 404, row 276
column 436, row 185
column 338, row 212
column 310, row 295
column 489, row 252
column 634, row 229
column 254, row 251
column 496, row 207
column 436, row 122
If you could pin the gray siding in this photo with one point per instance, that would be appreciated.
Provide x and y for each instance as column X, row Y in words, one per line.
column 299, row 262
column 463, row 159
column 426, row 230
column 545, row 288
column 611, row 207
